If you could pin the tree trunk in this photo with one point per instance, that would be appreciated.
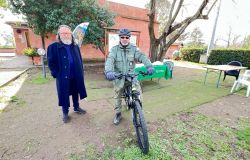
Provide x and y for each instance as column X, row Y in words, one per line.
column 172, row 30
column 43, row 41
column 101, row 48
column 162, row 50
column 153, row 50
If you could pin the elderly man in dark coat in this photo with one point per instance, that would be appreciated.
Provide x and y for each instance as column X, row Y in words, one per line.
column 65, row 64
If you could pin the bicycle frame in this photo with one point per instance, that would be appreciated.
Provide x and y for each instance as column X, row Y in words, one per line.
column 130, row 93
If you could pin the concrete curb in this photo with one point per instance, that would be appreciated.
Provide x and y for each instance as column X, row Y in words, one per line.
column 14, row 78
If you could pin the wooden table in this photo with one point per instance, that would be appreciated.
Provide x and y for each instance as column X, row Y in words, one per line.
column 221, row 68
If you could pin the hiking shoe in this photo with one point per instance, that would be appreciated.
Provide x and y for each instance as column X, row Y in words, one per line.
column 117, row 118
column 65, row 118
column 79, row 110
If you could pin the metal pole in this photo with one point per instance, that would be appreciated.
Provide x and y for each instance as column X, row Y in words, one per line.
column 211, row 44
column 44, row 72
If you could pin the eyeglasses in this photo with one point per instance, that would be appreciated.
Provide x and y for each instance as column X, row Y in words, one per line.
column 124, row 37
column 65, row 33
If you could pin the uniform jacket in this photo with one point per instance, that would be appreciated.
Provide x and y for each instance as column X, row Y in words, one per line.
column 59, row 66
column 122, row 60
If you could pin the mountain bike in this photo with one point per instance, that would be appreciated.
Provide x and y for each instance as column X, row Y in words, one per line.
column 133, row 103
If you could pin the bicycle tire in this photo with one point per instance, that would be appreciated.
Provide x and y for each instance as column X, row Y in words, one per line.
column 140, row 127
column 127, row 103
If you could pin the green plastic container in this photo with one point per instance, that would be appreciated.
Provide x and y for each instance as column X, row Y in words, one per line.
column 161, row 71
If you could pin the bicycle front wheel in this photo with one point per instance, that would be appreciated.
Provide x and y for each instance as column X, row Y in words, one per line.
column 140, row 126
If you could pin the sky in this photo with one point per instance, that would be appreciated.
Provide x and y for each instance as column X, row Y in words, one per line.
column 4, row 28
column 234, row 15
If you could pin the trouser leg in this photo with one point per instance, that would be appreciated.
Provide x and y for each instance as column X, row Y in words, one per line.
column 74, row 93
column 65, row 110
column 75, row 99
column 138, row 88
column 118, row 100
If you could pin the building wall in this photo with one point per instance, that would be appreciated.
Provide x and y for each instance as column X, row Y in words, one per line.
column 7, row 50
column 25, row 37
column 20, row 39
column 129, row 17
column 132, row 18
column 171, row 49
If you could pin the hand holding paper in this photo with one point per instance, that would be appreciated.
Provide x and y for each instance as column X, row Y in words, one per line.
column 79, row 33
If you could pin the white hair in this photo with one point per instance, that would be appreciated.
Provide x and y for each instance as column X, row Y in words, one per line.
column 63, row 26
column 58, row 30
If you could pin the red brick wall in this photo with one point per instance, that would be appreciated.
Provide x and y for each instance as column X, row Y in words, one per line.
column 90, row 52
column 20, row 40
column 7, row 50
column 35, row 40
column 127, row 17
column 132, row 18
column 171, row 49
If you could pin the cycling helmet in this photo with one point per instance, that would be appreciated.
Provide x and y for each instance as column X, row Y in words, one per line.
column 124, row 32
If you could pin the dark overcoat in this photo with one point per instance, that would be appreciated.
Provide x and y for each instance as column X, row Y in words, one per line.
column 59, row 66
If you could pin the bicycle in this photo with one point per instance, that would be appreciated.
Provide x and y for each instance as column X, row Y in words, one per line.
column 132, row 100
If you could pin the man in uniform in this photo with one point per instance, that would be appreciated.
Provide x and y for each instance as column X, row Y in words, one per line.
column 122, row 59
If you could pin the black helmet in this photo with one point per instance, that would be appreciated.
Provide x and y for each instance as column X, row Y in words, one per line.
column 124, row 32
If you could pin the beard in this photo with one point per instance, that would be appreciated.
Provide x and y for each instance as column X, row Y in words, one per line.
column 66, row 41
column 124, row 44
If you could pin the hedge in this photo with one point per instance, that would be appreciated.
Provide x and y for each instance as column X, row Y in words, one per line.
column 224, row 56
column 192, row 54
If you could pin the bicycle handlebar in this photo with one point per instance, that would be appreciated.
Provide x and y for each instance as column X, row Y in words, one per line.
column 132, row 75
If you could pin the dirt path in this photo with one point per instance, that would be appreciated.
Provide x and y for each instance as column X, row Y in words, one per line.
column 33, row 129
column 229, row 109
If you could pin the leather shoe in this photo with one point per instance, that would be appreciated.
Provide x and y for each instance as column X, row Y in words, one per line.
column 79, row 110
column 65, row 118
column 117, row 118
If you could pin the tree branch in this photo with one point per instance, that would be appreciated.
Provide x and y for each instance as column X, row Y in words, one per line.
column 197, row 15
column 177, row 11
column 211, row 7
column 171, row 12
column 151, row 20
column 173, row 39
column 169, row 20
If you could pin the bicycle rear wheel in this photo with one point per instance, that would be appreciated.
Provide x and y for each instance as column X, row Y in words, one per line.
column 140, row 126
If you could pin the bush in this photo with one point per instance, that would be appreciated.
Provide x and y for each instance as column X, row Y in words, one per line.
column 224, row 56
column 31, row 52
column 192, row 54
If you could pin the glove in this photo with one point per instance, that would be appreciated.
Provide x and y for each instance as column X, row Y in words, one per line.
column 150, row 70
column 110, row 75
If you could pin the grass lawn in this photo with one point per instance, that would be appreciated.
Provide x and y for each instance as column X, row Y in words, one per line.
column 185, row 91
column 175, row 131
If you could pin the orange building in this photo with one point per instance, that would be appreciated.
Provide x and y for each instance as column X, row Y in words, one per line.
column 129, row 17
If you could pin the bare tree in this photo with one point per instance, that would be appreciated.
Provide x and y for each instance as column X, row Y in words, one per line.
column 196, row 38
column 231, row 39
column 173, row 29
column 229, row 36
column 246, row 42
column 183, row 37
